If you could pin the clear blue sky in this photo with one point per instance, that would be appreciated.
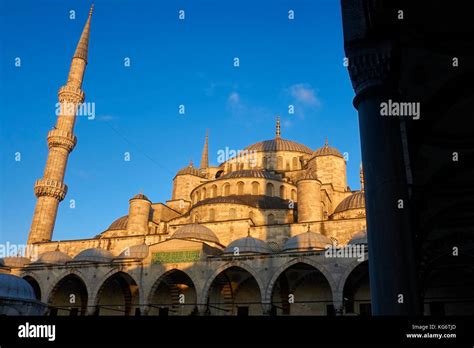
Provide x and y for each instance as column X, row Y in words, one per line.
column 173, row 62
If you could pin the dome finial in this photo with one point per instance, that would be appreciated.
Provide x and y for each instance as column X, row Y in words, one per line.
column 191, row 163
column 309, row 228
column 326, row 143
column 278, row 131
column 91, row 10
column 248, row 232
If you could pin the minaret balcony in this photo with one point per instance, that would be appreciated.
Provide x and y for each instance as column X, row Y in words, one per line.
column 71, row 94
column 51, row 188
column 61, row 138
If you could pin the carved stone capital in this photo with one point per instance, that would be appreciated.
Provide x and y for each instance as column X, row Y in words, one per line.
column 61, row 138
column 50, row 188
column 369, row 68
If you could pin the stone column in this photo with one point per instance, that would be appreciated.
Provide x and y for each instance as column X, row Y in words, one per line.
column 373, row 60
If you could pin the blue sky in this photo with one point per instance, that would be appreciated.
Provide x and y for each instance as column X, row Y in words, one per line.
column 173, row 62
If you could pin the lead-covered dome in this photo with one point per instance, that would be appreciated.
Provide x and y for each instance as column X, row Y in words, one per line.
column 16, row 288
column 195, row 232
column 139, row 251
column 53, row 257
column 248, row 245
column 306, row 242
column 359, row 238
column 94, row 255
column 354, row 201
column 189, row 170
column 119, row 224
column 14, row 261
column 279, row 144
column 327, row 150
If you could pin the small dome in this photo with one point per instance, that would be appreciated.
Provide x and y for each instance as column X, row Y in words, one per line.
column 189, row 170
column 13, row 287
column 139, row 251
column 119, row 224
column 14, row 261
column 307, row 241
column 140, row 196
column 53, row 257
column 354, row 201
column 327, row 150
column 359, row 238
column 248, row 245
column 279, row 144
column 94, row 255
column 197, row 232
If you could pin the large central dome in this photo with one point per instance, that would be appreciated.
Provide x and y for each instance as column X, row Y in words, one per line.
column 279, row 144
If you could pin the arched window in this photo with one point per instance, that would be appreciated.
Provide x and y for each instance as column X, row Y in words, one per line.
column 204, row 193
column 271, row 163
column 232, row 213
column 270, row 190
column 240, row 188
column 264, row 162
column 293, row 195
column 295, row 163
column 270, row 219
column 196, row 218
column 280, row 162
column 198, row 195
column 255, row 188
column 288, row 165
column 230, row 167
column 282, row 192
column 212, row 214
column 214, row 191
column 226, row 189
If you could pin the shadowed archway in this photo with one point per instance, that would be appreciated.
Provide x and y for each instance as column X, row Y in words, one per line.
column 118, row 295
column 301, row 289
column 173, row 293
column 68, row 297
column 234, row 292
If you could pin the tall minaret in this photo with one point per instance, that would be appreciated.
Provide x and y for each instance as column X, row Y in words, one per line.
column 361, row 174
column 51, row 189
column 205, row 153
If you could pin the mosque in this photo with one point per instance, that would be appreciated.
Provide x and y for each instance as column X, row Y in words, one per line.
column 251, row 236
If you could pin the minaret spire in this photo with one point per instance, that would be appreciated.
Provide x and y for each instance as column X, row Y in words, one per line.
column 51, row 189
column 205, row 152
column 278, row 132
column 361, row 173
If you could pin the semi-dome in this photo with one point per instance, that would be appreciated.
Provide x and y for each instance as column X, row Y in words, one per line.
column 251, row 173
column 248, row 245
column 53, row 257
column 139, row 251
column 359, row 238
column 354, row 201
column 119, row 224
column 195, row 232
column 14, row 261
column 94, row 255
column 16, row 288
column 189, row 170
column 327, row 150
column 279, row 144
column 307, row 241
